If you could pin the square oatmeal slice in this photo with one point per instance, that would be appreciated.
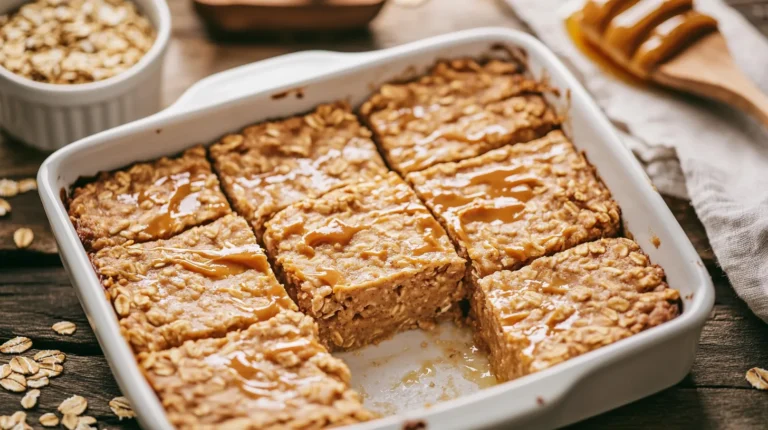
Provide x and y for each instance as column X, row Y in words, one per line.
column 459, row 110
column 271, row 165
column 519, row 202
column 147, row 201
column 202, row 283
column 273, row 375
column 573, row 302
column 366, row 261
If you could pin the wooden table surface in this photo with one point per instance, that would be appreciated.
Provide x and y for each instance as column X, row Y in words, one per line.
column 35, row 291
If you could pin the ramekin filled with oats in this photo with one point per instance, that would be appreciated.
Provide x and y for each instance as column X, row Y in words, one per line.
column 72, row 68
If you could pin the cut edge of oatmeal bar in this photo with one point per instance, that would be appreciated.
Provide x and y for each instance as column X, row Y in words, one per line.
column 419, row 294
column 249, row 372
column 570, row 303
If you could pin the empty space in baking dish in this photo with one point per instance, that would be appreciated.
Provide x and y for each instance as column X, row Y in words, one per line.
column 397, row 375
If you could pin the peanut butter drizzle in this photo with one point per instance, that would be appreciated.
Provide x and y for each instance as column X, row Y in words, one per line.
column 328, row 276
column 335, row 232
column 608, row 65
column 636, row 36
column 431, row 233
column 220, row 263
column 556, row 291
column 505, row 191
column 476, row 137
column 505, row 210
column 307, row 168
column 183, row 201
column 670, row 37
column 627, row 29
column 257, row 379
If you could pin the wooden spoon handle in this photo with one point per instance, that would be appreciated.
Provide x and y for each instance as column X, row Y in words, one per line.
column 707, row 69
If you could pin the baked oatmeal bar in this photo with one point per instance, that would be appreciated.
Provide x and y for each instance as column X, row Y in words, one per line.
column 202, row 283
column 460, row 110
column 147, row 201
column 274, row 375
column 366, row 261
column 573, row 302
column 519, row 202
column 274, row 164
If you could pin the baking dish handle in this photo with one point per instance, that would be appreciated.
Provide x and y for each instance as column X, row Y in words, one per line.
column 251, row 78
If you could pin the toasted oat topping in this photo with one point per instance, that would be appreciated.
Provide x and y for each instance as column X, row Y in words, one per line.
column 459, row 110
column 201, row 283
column 147, row 201
column 270, row 165
column 74, row 41
column 273, row 375
column 519, row 202
column 570, row 303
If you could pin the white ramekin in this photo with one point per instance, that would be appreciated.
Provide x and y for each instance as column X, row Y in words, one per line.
column 50, row 116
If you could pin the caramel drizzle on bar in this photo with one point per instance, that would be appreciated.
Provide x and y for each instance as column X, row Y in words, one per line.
column 219, row 263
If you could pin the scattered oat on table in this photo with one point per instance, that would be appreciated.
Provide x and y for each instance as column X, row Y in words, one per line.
column 8, row 188
column 49, row 420
column 75, row 405
column 24, row 365
column 17, row 345
column 758, row 378
column 121, row 407
column 69, row 421
column 5, row 207
column 26, row 185
column 30, row 399
column 15, row 382
column 5, row 370
column 23, row 237
column 86, row 420
column 50, row 370
column 50, row 356
column 64, row 328
column 38, row 380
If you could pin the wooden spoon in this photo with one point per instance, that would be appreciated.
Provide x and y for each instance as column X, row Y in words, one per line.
column 707, row 69
column 670, row 43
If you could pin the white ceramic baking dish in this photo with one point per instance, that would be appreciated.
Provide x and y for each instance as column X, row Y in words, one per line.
column 582, row 387
column 50, row 116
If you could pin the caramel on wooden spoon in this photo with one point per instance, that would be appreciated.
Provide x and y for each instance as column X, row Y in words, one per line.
column 668, row 42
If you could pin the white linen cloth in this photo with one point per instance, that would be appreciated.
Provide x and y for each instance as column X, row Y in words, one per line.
column 721, row 160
